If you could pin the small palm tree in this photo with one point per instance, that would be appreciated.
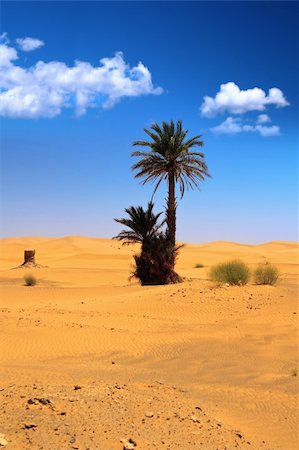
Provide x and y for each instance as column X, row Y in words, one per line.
column 170, row 158
column 143, row 226
column 154, row 264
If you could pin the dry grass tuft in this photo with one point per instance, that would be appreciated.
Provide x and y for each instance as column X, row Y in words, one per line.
column 232, row 272
column 266, row 274
column 30, row 280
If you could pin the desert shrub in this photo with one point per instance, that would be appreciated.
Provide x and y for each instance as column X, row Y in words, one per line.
column 232, row 272
column 30, row 280
column 266, row 274
column 198, row 266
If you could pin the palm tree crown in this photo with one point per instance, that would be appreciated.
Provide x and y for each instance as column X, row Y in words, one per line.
column 143, row 225
column 170, row 158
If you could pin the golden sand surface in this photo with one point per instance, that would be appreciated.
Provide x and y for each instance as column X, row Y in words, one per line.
column 102, row 359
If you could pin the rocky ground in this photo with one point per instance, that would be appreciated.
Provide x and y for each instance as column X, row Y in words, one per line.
column 108, row 417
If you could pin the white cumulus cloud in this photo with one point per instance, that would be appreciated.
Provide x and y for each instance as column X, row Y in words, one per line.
column 263, row 118
column 7, row 55
column 233, row 100
column 46, row 88
column 234, row 125
column 28, row 44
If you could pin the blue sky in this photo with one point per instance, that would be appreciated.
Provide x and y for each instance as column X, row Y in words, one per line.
column 67, row 126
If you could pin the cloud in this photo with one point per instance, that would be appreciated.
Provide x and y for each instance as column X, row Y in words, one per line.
column 7, row 55
column 263, row 118
column 29, row 44
column 233, row 125
column 273, row 130
column 4, row 38
column 229, row 126
column 46, row 88
column 232, row 99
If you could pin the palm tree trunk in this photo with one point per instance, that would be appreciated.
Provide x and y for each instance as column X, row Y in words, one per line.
column 171, row 209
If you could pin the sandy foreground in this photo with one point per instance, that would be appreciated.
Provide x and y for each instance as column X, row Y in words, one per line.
column 188, row 366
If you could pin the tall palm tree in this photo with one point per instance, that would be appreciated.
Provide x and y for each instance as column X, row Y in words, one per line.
column 170, row 157
column 143, row 226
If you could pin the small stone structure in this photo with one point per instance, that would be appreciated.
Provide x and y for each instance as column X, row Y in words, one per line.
column 29, row 260
column 29, row 257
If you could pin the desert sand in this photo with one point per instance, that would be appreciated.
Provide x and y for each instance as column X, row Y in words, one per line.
column 90, row 358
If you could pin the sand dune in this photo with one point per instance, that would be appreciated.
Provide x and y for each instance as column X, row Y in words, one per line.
column 215, row 366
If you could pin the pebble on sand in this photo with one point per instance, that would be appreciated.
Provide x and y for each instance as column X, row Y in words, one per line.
column 3, row 441
column 129, row 444
column 29, row 426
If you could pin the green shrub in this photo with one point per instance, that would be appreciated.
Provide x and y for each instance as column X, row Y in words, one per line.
column 30, row 280
column 266, row 274
column 198, row 266
column 232, row 272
